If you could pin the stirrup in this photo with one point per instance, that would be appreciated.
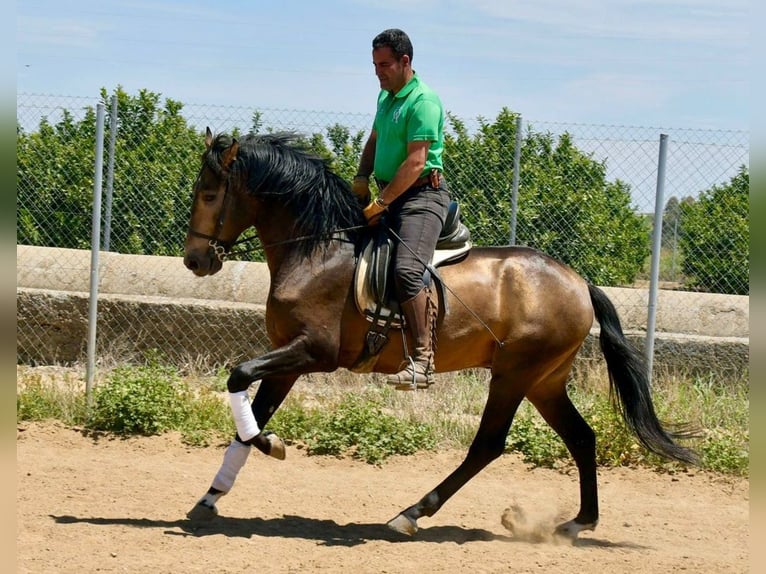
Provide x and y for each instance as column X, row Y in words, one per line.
column 414, row 383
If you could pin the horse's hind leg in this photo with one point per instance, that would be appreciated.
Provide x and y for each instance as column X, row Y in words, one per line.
column 489, row 443
column 559, row 412
column 270, row 394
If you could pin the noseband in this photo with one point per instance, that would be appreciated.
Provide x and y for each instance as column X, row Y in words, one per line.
column 220, row 248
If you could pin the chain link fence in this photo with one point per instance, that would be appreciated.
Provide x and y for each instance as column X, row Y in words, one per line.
column 583, row 193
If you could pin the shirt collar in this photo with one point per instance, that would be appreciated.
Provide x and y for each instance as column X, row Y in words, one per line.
column 409, row 86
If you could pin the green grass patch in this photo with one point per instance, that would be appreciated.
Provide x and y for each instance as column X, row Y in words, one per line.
column 357, row 426
column 40, row 396
column 358, row 416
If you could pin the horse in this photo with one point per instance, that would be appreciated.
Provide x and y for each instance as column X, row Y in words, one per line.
column 513, row 310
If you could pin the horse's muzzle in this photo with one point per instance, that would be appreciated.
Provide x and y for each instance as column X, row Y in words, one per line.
column 203, row 264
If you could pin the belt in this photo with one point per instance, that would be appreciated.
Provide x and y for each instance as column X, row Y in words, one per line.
column 419, row 182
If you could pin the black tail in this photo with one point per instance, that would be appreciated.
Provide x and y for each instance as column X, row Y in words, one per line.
column 629, row 380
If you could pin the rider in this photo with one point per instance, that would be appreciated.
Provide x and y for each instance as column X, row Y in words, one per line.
column 404, row 152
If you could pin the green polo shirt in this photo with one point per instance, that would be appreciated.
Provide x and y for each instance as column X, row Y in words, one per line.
column 414, row 114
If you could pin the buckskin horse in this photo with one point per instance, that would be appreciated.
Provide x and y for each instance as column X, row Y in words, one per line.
column 513, row 310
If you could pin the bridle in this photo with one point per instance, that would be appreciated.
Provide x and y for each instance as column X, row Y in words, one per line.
column 222, row 249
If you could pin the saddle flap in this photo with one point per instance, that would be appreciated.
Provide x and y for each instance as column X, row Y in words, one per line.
column 381, row 251
column 372, row 277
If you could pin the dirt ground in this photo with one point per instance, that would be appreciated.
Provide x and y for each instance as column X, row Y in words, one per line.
column 87, row 504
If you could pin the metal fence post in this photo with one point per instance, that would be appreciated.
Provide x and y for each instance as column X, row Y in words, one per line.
column 659, row 203
column 515, row 188
column 94, row 252
column 110, row 175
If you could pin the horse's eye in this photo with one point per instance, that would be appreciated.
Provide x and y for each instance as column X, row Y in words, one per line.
column 208, row 197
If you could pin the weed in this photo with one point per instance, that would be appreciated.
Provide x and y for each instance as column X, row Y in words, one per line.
column 357, row 416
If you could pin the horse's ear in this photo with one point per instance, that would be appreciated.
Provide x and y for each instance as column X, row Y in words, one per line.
column 208, row 137
column 228, row 156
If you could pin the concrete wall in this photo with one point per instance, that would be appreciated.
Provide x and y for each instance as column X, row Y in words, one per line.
column 151, row 298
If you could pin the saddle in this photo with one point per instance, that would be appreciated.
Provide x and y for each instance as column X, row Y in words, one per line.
column 374, row 279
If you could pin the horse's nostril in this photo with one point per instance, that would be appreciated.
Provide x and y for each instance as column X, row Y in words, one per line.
column 191, row 263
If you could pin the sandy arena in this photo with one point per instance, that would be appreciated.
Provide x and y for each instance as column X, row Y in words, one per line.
column 87, row 504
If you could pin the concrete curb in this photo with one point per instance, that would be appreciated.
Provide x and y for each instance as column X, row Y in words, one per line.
column 155, row 302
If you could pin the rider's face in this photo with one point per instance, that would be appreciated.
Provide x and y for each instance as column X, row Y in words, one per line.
column 391, row 72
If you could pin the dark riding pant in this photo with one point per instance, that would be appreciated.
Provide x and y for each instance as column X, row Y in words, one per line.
column 417, row 216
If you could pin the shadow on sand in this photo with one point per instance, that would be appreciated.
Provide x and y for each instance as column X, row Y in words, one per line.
column 325, row 532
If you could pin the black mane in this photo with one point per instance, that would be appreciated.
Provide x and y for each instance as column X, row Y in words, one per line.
column 280, row 166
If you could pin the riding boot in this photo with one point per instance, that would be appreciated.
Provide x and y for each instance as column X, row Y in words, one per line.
column 417, row 371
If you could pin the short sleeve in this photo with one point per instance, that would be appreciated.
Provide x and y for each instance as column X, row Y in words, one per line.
column 424, row 121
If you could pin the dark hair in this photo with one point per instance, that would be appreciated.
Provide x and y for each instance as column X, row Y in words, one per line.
column 393, row 38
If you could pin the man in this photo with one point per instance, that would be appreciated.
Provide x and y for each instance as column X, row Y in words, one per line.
column 404, row 152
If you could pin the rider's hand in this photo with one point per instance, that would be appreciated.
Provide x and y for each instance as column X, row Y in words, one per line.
column 361, row 187
column 373, row 212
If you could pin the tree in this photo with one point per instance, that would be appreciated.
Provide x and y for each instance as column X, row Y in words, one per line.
column 156, row 159
column 671, row 218
column 566, row 207
column 54, row 182
column 715, row 237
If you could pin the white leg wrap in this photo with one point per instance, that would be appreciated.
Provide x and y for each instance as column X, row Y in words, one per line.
column 247, row 428
column 209, row 500
column 233, row 460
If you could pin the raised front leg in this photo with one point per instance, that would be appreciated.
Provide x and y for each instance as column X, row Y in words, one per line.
column 295, row 358
column 270, row 395
column 291, row 360
column 277, row 370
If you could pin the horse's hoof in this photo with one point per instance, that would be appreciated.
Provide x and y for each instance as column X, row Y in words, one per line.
column 277, row 447
column 269, row 444
column 202, row 512
column 572, row 528
column 403, row 525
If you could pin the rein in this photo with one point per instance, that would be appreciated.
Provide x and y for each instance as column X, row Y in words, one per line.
column 328, row 235
column 223, row 250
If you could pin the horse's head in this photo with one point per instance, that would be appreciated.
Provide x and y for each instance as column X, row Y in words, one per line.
column 217, row 219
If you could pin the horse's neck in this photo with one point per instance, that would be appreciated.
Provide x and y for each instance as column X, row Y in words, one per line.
column 284, row 245
column 284, row 256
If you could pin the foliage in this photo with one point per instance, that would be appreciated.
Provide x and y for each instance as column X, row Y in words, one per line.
column 671, row 219
column 537, row 443
column 566, row 207
column 54, row 182
column 207, row 418
column 344, row 152
column 726, row 450
column 42, row 399
column 144, row 400
column 357, row 426
column 150, row 209
column 722, row 409
column 715, row 237
column 372, row 425
column 153, row 399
